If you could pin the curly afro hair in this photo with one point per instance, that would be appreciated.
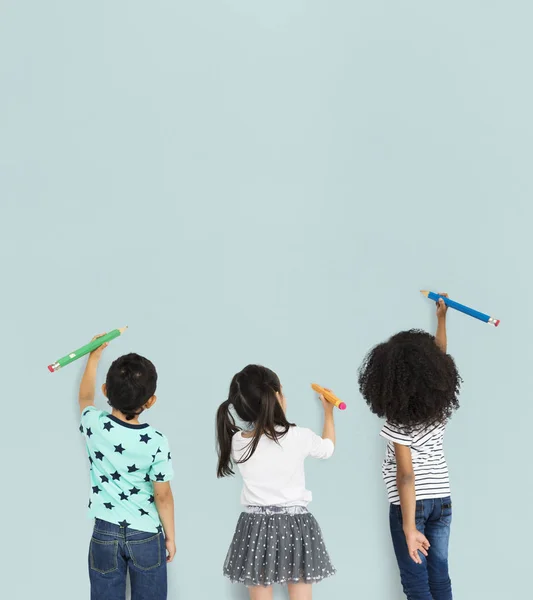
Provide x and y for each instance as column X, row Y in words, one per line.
column 410, row 381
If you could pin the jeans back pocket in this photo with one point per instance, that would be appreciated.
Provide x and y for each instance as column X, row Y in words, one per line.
column 446, row 510
column 146, row 554
column 103, row 555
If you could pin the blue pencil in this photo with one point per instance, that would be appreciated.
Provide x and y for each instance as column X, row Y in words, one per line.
column 461, row 308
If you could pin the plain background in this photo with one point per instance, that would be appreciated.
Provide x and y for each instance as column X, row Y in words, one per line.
column 272, row 182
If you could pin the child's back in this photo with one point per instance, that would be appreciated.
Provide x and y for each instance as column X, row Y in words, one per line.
column 429, row 463
column 124, row 461
column 274, row 474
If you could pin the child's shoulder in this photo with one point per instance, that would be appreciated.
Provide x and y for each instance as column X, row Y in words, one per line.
column 156, row 433
column 298, row 431
column 299, row 436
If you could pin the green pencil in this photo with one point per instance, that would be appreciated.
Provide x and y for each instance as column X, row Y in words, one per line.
column 90, row 347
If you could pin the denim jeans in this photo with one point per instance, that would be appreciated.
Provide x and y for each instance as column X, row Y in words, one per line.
column 114, row 550
column 430, row 580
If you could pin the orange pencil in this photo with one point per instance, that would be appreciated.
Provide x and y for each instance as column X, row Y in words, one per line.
column 329, row 396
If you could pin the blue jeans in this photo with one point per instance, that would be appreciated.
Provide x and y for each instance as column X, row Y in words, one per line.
column 114, row 550
column 430, row 580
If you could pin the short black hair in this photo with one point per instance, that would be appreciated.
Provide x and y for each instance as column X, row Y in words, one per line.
column 410, row 381
column 131, row 381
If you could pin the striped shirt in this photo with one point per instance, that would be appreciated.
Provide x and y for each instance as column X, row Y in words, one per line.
column 429, row 464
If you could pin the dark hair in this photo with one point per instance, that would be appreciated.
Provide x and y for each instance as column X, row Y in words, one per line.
column 252, row 394
column 131, row 381
column 410, row 381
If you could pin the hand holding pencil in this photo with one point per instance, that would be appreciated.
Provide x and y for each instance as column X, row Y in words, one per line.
column 461, row 307
column 442, row 307
column 94, row 347
column 327, row 406
column 97, row 354
column 329, row 396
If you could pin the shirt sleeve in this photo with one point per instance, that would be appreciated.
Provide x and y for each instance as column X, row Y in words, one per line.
column 315, row 446
column 89, row 420
column 396, row 434
column 161, row 469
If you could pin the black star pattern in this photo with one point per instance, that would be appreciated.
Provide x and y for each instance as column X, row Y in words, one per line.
column 160, row 529
column 132, row 469
column 160, row 477
column 85, row 412
column 98, row 455
column 104, row 479
column 115, row 476
column 134, row 490
column 90, row 503
column 147, row 477
column 96, row 489
column 89, row 432
column 143, row 512
column 108, row 426
column 81, row 428
column 153, row 457
column 151, row 499
column 123, row 496
column 119, row 449
column 159, row 433
column 145, row 438
column 158, row 450
column 124, row 524
column 90, row 460
column 109, row 505
column 169, row 457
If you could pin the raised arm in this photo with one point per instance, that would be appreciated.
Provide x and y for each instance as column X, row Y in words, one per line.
column 441, row 337
column 405, row 481
column 88, row 381
column 328, row 432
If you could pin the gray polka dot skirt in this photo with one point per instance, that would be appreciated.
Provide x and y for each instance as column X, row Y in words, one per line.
column 274, row 544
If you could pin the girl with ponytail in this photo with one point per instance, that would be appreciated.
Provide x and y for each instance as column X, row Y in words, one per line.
column 277, row 540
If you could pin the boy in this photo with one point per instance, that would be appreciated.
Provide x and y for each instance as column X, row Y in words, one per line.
column 130, row 470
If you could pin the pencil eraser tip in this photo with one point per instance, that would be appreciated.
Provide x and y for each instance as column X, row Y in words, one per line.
column 51, row 368
column 497, row 323
column 342, row 406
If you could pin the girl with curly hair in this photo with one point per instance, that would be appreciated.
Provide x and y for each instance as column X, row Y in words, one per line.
column 413, row 383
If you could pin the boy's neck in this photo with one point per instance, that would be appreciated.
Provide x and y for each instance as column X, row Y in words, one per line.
column 117, row 414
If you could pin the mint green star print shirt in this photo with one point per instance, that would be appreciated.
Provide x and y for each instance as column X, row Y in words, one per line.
column 124, row 461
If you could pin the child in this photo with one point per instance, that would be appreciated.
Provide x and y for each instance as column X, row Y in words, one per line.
column 130, row 469
column 414, row 384
column 276, row 539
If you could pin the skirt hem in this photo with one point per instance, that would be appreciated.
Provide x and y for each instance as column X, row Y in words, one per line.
column 249, row 583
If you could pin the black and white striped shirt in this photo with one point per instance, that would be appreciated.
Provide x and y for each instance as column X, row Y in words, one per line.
column 429, row 464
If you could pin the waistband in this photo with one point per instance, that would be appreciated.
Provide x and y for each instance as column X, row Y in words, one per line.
column 276, row 510
column 115, row 530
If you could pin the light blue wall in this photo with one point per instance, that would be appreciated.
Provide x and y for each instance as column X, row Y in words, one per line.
column 245, row 181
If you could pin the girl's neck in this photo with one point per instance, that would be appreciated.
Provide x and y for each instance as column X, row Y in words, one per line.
column 118, row 415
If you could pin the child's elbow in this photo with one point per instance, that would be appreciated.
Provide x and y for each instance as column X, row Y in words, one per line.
column 405, row 478
column 329, row 449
